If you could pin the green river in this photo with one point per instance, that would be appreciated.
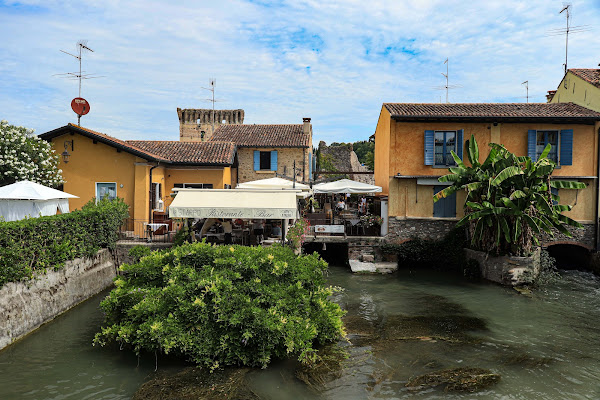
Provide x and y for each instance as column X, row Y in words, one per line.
column 543, row 346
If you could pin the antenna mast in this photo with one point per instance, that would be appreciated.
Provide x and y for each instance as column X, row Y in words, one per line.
column 212, row 83
column 566, row 8
column 526, row 83
column 446, row 75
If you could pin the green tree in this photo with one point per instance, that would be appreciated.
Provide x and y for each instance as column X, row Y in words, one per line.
column 24, row 156
column 223, row 305
column 509, row 201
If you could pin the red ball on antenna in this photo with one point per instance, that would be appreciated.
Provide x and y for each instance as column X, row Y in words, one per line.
column 80, row 106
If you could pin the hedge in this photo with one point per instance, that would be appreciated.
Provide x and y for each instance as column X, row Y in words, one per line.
column 38, row 244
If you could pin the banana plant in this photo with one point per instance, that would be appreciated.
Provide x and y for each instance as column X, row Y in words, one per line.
column 509, row 202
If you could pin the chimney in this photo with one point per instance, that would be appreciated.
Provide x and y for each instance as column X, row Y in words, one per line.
column 306, row 128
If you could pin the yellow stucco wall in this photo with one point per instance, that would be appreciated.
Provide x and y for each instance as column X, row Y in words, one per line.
column 217, row 176
column 573, row 89
column 91, row 163
column 399, row 149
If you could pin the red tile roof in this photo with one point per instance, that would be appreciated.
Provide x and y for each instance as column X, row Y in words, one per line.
column 197, row 153
column 290, row 135
column 189, row 152
column 590, row 75
column 492, row 112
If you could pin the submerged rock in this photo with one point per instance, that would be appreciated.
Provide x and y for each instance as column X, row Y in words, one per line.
column 450, row 328
column 195, row 383
column 456, row 379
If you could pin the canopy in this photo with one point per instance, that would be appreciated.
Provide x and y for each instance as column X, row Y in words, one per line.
column 272, row 183
column 29, row 199
column 234, row 203
column 346, row 186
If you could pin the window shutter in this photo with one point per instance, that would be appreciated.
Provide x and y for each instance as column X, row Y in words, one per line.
column 429, row 146
column 310, row 166
column 531, row 144
column 274, row 160
column 256, row 160
column 459, row 143
column 566, row 147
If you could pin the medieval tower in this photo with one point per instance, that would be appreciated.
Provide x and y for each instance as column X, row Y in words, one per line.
column 197, row 124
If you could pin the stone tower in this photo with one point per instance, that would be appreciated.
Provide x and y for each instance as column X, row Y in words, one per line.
column 196, row 124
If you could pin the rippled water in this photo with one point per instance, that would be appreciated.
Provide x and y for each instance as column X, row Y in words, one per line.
column 546, row 346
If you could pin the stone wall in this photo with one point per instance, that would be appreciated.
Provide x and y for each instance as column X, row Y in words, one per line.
column 343, row 159
column 507, row 270
column 585, row 237
column 400, row 230
column 121, row 253
column 193, row 121
column 24, row 306
column 285, row 164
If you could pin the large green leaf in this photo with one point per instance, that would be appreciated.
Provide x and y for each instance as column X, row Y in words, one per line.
column 445, row 192
column 449, row 178
column 560, row 184
column 473, row 152
column 505, row 228
column 457, row 160
column 545, row 152
column 505, row 174
column 563, row 218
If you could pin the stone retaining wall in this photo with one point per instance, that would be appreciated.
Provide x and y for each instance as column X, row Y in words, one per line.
column 25, row 306
column 121, row 253
column 507, row 270
column 584, row 237
column 424, row 228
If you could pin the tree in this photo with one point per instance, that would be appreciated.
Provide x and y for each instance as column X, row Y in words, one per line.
column 24, row 156
column 509, row 200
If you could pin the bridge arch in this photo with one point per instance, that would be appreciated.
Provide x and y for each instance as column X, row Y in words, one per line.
column 570, row 254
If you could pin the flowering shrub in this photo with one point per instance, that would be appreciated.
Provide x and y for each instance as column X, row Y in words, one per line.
column 24, row 156
column 36, row 244
column 371, row 220
column 223, row 305
column 298, row 232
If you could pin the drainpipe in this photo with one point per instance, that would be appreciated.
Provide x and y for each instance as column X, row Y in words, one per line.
column 150, row 196
column 596, row 222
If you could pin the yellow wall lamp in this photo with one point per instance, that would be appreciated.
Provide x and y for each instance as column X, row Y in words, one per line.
column 65, row 154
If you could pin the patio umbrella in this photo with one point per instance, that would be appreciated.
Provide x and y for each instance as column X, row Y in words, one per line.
column 29, row 199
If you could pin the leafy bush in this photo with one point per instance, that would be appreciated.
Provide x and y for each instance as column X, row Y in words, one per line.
column 223, row 305
column 36, row 244
column 139, row 251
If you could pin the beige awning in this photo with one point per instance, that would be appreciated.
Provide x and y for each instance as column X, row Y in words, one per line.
column 234, row 203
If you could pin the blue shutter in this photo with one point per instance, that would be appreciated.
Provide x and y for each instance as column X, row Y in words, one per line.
column 531, row 144
column 459, row 143
column 310, row 166
column 429, row 147
column 256, row 160
column 274, row 160
column 566, row 147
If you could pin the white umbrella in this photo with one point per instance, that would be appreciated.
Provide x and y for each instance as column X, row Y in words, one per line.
column 27, row 190
column 346, row 186
column 29, row 199
column 272, row 183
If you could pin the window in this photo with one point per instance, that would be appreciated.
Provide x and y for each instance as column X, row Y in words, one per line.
column 445, row 142
column 106, row 190
column 545, row 138
column 193, row 185
column 561, row 141
column 156, row 195
column 265, row 160
column 446, row 207
column 439, row 146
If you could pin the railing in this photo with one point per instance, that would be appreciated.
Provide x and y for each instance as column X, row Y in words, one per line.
column 142, row 231
column 352, row 226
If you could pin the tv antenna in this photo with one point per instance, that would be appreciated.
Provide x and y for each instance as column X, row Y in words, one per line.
column 526, row 83
column 81, row 48
column 567, row 8
column 212, row 83
column 447, row 86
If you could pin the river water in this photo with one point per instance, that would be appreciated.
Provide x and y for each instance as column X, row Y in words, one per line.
column 544, row 346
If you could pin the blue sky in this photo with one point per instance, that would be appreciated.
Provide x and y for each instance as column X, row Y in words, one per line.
column 280, row 61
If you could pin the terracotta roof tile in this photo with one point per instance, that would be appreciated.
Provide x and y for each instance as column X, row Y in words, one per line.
column 491, row 111
column 189, row 152
column 590, row 75
column 290, row 135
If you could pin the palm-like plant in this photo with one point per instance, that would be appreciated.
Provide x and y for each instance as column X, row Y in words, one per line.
column 509, row 200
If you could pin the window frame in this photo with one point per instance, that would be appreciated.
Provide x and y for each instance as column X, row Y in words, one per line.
column 193, row 185
column 105, row 183
column 264, row 156
column 446, row 153
column 555, row 147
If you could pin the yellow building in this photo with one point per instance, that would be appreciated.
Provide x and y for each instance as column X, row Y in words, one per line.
column 269, row 150
column 413, row 144
column 580, row 86
column 142, row 173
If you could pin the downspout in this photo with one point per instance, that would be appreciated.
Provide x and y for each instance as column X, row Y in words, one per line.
column 596, row 222
column 150, row 196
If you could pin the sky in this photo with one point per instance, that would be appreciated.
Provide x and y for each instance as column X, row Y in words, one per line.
column 336, row 62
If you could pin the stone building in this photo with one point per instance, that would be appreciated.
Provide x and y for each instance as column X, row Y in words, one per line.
column 267, row 150
column 197, row 124
column 343, row 158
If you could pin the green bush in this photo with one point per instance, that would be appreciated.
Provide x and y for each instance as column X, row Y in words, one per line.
column 139, row 251
column 223, row 305
column 37, row 244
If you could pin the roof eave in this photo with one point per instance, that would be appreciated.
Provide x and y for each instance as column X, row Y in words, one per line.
column 452, row 118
